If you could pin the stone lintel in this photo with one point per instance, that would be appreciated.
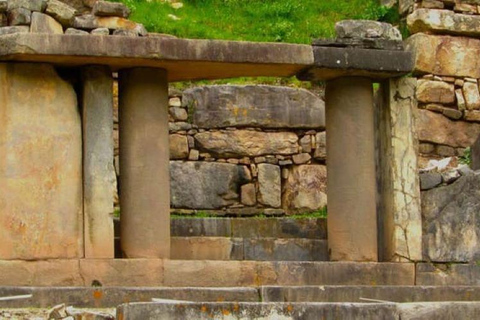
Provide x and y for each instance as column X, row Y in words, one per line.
column 184, row 59
column 332, row 62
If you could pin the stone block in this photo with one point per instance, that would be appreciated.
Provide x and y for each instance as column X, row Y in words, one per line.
column 308, row 228
column 443, row 22
column 471, row 95
column 437, row 129
column 430, row 180
column 122, row 272
column 446, row 55
column 41, row 187
column 90, row 22
column 240, row 143
column 450, row 274
column 198, row 185
column 248, row 194
column 32, row 5
column 306, row 143
column 82, row 6
column 269, row 185
column 472, row 115
column 100, row 32
column 305, row 189
column 452, row 113
column 450, row 214
column 106, row 8
column 19, row 17
column 201, row 248
column 271, row 249
column 301, row 158
column 178, row 147
column 201, row 227
column 3, row 20
column 14, row 29
column 432, row 4
column 62, row 12
column 367, row 29
column 254, row 106
column 73, row 31
column 178, row 114
column 435, row 92
column 3, row 5
column 42, row 23
column 320, row 146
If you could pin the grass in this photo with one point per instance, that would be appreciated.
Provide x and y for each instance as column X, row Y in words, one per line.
column 293, row 21
column 319, row 214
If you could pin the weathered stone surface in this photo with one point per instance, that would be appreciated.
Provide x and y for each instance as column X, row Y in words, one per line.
column 205, row 185
column 43, row 23
column 444, row 22
column 241, row 143
column 106, row 8
column 472, row 115
column 254, row 106
column 452, row 113
column 14, row 29
column 405, row 6
column 3, row 5
column 248, row 194
column 81, row 6
column 308, row 228
column 432, row 4
column 430, row 180
column 99, row 177
column 475, row 154
column 306, row 143
column 435, row 92
column 450, row 216
column 178, row 146
column 397, row 169
column 62, row 12
column 301, row 158
column 446, row 55
column 113, row 23
column 100, row 32
column 439, row 310
column 73, row 31
column 32, row 5
column 203, row 248
column 268, row 249
column 178, row 114
column 305, row 189
column 451, row 274
column 19, row 17
column 125, row 33
column 269, row 185
column 435, row 128
column 472, row 96
column 41, row 212
column 320, row 146
column 366, row 29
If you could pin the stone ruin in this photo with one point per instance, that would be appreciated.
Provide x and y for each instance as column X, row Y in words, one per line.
column 57, row 171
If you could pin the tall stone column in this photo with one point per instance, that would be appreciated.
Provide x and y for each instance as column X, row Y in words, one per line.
column 98, row 171
column 144, row 163
column 351, row 186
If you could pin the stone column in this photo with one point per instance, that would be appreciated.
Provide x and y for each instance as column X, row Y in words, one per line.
column 98, row 171
column 351, row 187
column 144, row 163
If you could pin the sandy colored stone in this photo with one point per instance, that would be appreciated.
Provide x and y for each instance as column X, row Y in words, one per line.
column 461, row 103
column 445, row 55
column 248, row 194
column 62, row 12
column 269, row 185
column 178, row 147
column 443, row 22
column 435, row 92
column 320, row 146
column 41, row 212
column 438, row 129
column 472, row 96
column 19, row 17
column 241, row 143
column 43, row 23
column 305, row 189
column 32, row 5
column 113, row 23
column 107, row 8
column 472, row 115
column 301, row 158
column 201, row 248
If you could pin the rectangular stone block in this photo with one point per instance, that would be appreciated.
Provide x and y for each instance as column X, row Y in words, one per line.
column 445, row 55
column 280, row 228
column 41, row 209
column 201, row 227
column 201, row 248
column 271, row 249
column 447, row 274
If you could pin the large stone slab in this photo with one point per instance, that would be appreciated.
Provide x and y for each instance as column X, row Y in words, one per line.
column 254, row 106
column 445, row 55
column 269, row 185
column 435, row 128
column 305, row 189
column 451, row 221
column 267, row 311
column 443, row 22
column 205, row 185
column 41, row 211
column 241, row 143
column 451, row 274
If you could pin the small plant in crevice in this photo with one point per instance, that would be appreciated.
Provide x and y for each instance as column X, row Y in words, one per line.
column 467, row 157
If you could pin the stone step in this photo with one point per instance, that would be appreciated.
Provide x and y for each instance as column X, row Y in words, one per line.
column 259, row 249
column 307, row 311
column 308, row 228
column 198, row 273
column 108, row 297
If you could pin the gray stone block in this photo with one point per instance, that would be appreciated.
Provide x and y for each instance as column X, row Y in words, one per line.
column 254, row 106
column 447, row 274
column 272, row 249
column 201, row 227
column 430, row 180
column 106, row 8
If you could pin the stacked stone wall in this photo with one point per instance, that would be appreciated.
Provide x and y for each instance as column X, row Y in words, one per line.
column 245, row 150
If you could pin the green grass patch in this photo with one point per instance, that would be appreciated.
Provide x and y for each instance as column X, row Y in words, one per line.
column 292, row 21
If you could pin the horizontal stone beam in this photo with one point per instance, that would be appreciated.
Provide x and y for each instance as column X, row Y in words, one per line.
column 184, row 59
column 187, row 59
column 331, row 62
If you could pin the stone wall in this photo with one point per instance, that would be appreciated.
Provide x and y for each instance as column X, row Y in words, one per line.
column 444, row 37
column 246, row 150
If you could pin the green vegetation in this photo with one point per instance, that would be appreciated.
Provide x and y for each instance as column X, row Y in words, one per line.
column 292, row 21
column 320, row 214
column 467, row 157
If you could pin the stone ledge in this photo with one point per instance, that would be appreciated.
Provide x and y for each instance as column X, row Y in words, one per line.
column 185, row 59
column 181, row 273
